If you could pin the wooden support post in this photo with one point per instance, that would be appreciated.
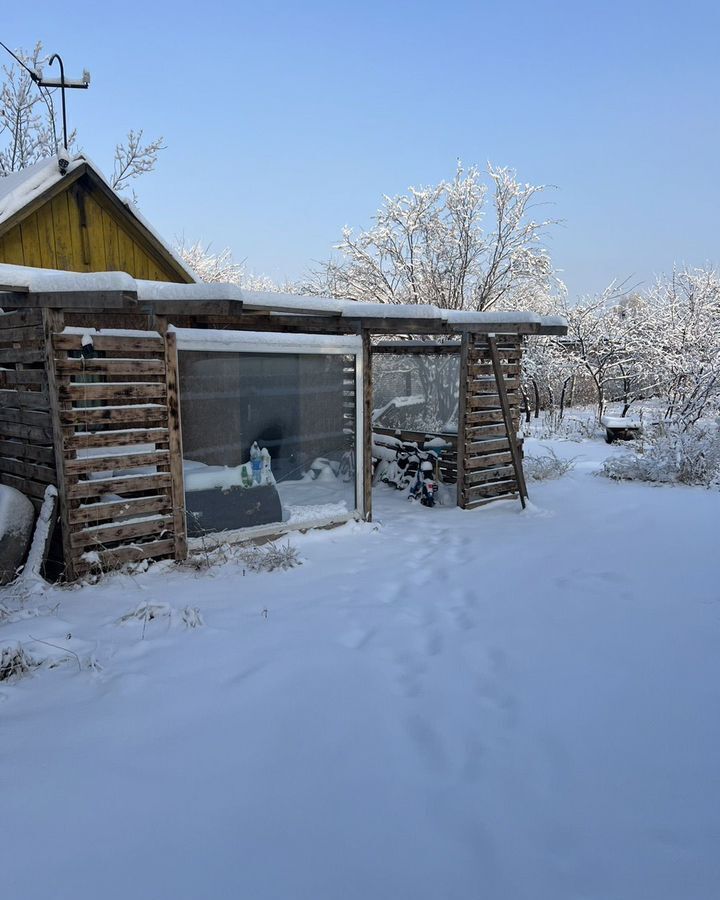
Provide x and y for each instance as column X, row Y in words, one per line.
column 462, row 416
column 507, row 416
column 53, row 322
column 175, row 440
column 366, row 436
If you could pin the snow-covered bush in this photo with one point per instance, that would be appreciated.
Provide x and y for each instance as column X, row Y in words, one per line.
column 669, row 455
column 269, row 557
column 189, row 616
column 547, row 466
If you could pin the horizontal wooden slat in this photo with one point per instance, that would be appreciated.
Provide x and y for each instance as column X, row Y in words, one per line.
column 25, row 417
column 492, row 489
column 24, row 357
column 25, row 450
column 485, row 432
column 117, row 556
column 118, row 415
column 39, row 434
column 116, row 510
column 103, row 535
column 27, row 486
column 23, row 376
column 478, row 448
column 23, row 399
column 486, row 368
column 485, row 385
column 111, row 366
column 86, row 464
column 28, row 469
column 21, row 335
column 497, row 473
column 484, row 501
column 125, row 485
column 120, row 438
column 490, row 460
column 110, row 343
column 483, row 416
column 20, row 317
column 486, row 401
column 112, row 391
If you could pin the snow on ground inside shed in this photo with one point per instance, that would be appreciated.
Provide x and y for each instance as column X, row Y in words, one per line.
column 446, row 704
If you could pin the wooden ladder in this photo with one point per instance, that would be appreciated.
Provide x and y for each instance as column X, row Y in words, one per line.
column 507, row 417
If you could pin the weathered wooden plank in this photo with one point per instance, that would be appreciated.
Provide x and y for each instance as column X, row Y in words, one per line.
column 37, row 434
column 366, row 436
column 146, row 415
column 484, row 401
column 480, row 476
column 509, row 424
column 121, row 438
column 23, row 377
column 484, row 432
column 463, row 410
column 131, row 390
column 177, row 474
column 21, row 357
column 117, row 510
column 491, row 489
column 25, row 450
column 31, row 242
column 22, row 334
column 33, row 489
column 488, row 385
column 85, row 464
column 111, row 366
column 20, row 318
column 76, row 300
column 476, row 504
column 102, row 535
column 28, row 469
column 117, row 556
column 23, row 399
column 25, row 417
column 53, row 321
column 477, row 448
column 124, row 485
column 109, row 342
column 63, row 236
column 489, row 461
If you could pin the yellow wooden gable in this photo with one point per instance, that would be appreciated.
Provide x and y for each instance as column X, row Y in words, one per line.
column 76, row 222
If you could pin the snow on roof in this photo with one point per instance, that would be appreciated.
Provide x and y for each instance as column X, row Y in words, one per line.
column 20, row 188
column 47, row 280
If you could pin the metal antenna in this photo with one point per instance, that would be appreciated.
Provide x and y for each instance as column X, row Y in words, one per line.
column 62, row 83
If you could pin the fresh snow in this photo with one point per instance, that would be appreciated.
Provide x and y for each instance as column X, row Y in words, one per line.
column 444, row 704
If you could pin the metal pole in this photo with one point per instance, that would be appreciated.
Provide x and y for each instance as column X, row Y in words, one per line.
column 56, row 56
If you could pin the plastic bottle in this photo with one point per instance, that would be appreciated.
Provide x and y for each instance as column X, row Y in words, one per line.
column 256, row 462
column 267, row 477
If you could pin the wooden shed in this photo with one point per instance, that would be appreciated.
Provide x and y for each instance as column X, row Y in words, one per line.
column 71, row 219
column 143, row 401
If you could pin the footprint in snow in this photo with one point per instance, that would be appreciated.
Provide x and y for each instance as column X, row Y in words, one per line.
column 427, row 742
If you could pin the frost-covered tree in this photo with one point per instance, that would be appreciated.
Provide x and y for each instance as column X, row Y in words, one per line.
column 29, row 126
column 461, row 244
column 220, row 267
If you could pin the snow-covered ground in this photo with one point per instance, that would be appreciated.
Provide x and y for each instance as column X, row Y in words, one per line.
column 446, row 704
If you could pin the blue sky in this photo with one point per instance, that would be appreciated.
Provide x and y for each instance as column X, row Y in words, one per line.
column 285, row 121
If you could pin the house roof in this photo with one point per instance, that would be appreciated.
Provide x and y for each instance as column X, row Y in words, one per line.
column 48, row 281
column 22, row 192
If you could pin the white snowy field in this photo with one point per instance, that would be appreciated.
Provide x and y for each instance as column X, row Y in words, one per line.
column 446, row 704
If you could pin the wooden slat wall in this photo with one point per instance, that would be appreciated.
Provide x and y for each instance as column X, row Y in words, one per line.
column 113, row 418
column 487, row 473
column 27, row 459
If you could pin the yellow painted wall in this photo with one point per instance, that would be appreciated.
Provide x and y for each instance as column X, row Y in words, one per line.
column 79, row 231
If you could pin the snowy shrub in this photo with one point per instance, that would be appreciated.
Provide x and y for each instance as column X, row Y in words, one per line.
column 547, row 466
column 15, row 662
column 189, row 616
column 668, row 455
column 269, row 557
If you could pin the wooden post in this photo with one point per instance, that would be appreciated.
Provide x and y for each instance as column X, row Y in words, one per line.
column 462, row 415
column 366, row 436
column 53, row 322
column 175, row 444
column 507, row 416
